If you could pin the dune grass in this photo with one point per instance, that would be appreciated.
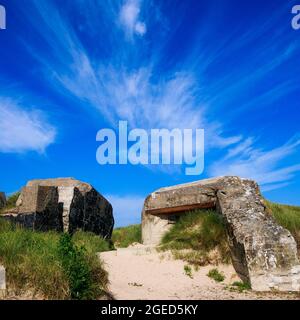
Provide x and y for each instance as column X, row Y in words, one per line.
column 91, row 242
column 288, row 217
column 40, row 262
column 216, row 275
column 11, row 201
column 199, row 238
column 240, row 286
column 124, row 237
column 34, row 262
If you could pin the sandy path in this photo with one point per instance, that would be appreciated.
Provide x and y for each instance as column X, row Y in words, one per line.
column 141, row 274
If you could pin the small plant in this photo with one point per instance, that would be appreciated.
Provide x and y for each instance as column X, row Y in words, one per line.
column 241, row 286
column 124, row 237
column 188, row 271
column 76, row 268
column 216, row 275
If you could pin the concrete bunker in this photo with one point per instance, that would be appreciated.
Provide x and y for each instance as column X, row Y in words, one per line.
column 164, row 207
column 62, row 204
column 263, row 253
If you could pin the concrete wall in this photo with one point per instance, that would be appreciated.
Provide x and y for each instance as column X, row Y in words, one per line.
column 173, row 200
column 2, row 282
column 39, row 210
column 154, row 228
column 66, row 195
column 80, row 207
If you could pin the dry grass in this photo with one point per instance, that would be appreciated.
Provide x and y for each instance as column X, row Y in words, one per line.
column 288, row 217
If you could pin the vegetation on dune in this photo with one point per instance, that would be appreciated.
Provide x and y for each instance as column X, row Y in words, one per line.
column 198, row 238
column 216, row 275
column 240, row 286
column 188, row 271
column 288, row 217
column 91, row 242
column 124, row 237
column 52, row 265
column 86, row 278
column 11, row 201
column 58, row 266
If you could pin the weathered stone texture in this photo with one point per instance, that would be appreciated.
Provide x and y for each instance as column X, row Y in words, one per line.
column 83, row 208
column 170, row 201
column 263, row 253
column 40, row 209
column 2, row 200
column 91, row 212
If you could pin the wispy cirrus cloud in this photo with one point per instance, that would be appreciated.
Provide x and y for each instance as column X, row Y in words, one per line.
column 264, row 166
column 125, row 85
column 116, row 90
column 23, row 130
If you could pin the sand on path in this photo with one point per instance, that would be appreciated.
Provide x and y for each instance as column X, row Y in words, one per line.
column 141, row 273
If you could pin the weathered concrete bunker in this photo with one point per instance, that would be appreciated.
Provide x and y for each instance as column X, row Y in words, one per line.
column 263, row 253
column 62, row 204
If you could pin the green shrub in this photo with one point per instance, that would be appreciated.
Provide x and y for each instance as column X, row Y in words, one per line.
column 124, row 237
column 76, row 268
column 216, row 275
column 34, row 262
column 193, row 257
column 188, row 271
column 195, row 235
column 91, row 242
column 241, row 286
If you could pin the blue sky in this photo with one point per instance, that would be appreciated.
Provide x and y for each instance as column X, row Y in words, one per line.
column 71, row 68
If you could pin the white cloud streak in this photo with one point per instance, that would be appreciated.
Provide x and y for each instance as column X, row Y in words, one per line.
column 23, row 130
column 123, row 90
column 120, row 93
column 264, row 166
column 129, row 18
